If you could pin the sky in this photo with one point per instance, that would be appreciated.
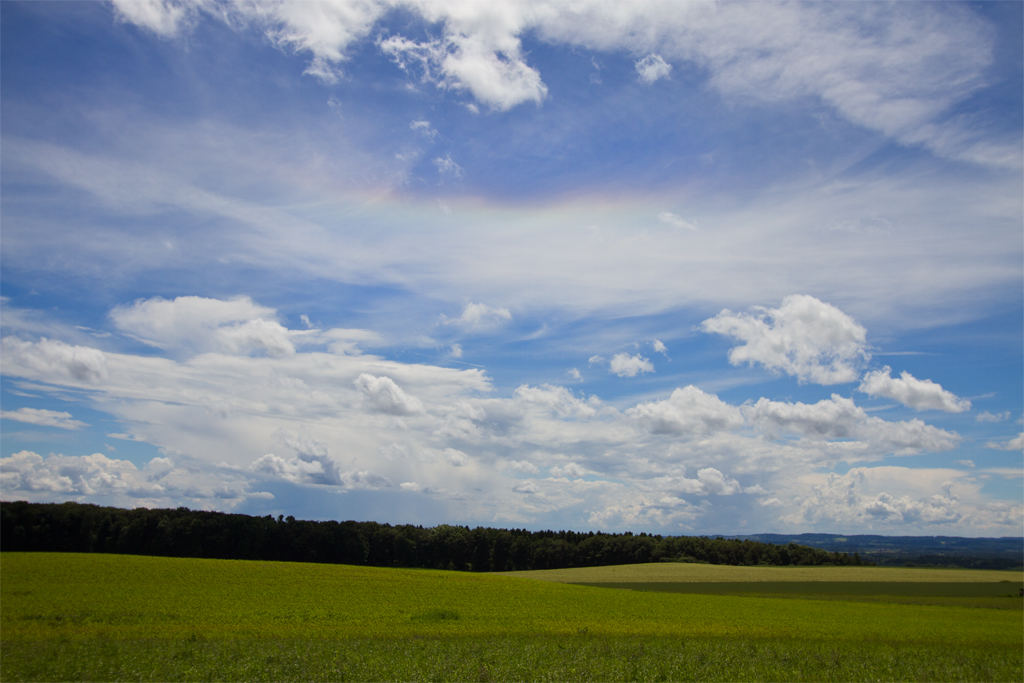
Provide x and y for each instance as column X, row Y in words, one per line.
column 674, row 267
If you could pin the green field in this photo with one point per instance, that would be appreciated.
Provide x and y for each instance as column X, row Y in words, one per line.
column 951, row 587
column 681, row 572
column 102, row 617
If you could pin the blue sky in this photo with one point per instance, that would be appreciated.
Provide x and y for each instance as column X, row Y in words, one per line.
column 670, row 267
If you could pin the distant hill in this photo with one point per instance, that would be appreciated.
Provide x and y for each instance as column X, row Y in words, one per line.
column 955, row 551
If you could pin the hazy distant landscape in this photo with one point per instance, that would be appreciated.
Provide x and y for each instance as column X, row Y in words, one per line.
column 980, row 553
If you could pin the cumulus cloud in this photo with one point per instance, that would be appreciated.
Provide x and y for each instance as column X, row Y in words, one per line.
column 571, row 470
column 574, row 374
column 43, row 418
column 660, row 348
column 625, row 365
column 384, row 396
column 714, row 481
column 855, row 498
column 986, row 416
column 99, row 478
column 804, row 337
column 163, row 17
column 687, row 411
column 197, row 324
column 912, row 392
column 480, row 52
column 558, row 400
column 1014, row 444
column 455, row 457
column 53, row 359
column 610, row 465
column 841, row 418
column 866, row 497
column 522, row 466
column 312, row 464
column 479, row 318
column 307, row 468
column 652, row 67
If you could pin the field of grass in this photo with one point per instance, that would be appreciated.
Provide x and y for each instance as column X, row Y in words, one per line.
column 107, row 617
column 680, row 572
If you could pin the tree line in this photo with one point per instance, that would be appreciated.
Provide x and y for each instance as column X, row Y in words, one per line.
column 76, row 527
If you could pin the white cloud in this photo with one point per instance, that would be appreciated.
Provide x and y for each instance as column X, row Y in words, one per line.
column 804, row 337
column 896, row 69
column 675, row 221
column 55, row 360
column 480, row 52
column 895, row 499
column 312, row 464
column 118, row 482
column 687, row 411
column 385, row 396
column 625, row 365
column 660, row 348
column 912, row 392
column 441, row 431
column 574, row 374
column 1014, row 444
column 43, row 418
column 479, row 318
column 965, row 463
column 455, row 457
column 841, row 418
column 446, row 166
column 163, row 17
column 651, row 68
column 423, row 127
column 570, row 471
column 523, row 466
column 191, row 324
column 992, row 417
column 558, row 400
column 324, row 29
column 456, row 351
column 714, row 481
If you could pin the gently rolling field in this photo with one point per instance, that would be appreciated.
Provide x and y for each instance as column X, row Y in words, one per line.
column 680, row 572
column 962, row 587
column 72, row 616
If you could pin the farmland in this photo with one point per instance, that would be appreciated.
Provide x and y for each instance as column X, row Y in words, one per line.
column 110, row 616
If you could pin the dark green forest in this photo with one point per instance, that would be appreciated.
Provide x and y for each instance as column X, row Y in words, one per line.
column 74, row 527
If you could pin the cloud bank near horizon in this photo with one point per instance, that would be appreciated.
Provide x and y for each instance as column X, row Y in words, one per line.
column 341, row 419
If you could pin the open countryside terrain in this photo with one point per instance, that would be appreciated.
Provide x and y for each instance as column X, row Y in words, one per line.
column 92, row 616
column 698, row 573
column 963, row 587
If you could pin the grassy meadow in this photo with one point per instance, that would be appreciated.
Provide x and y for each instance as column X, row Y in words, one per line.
column 106, row 617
